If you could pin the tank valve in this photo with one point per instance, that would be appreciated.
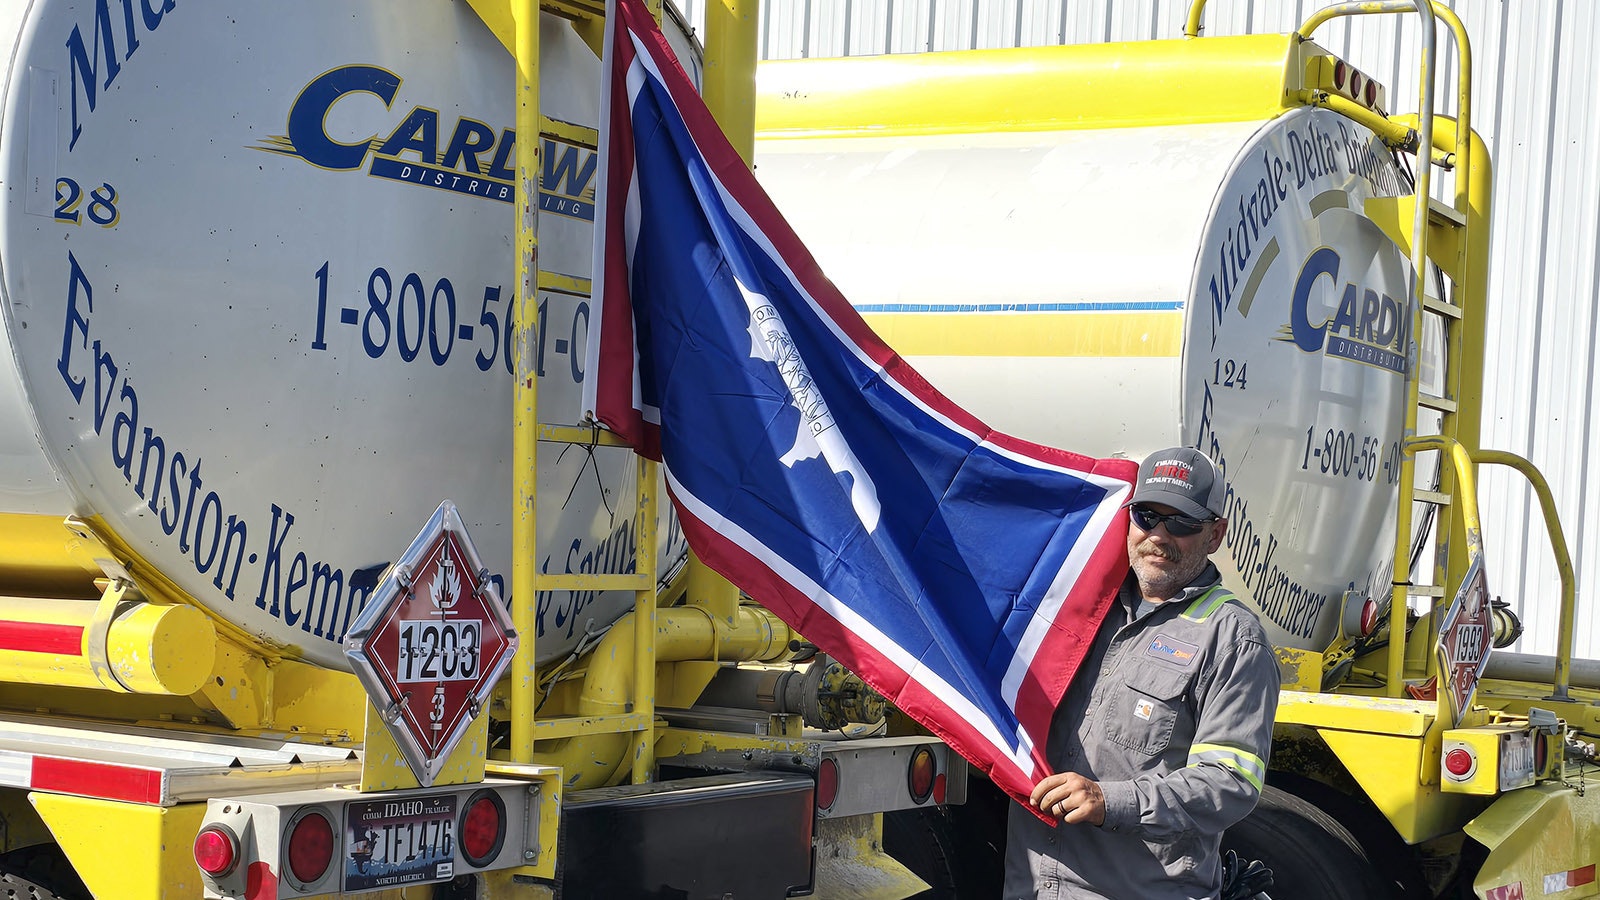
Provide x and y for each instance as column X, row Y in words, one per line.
column 836, row 697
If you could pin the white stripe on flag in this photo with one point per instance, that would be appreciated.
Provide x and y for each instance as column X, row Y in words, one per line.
column 1019, row 753
column 1069, row 573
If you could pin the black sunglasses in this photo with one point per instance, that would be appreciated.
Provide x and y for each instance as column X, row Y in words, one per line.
column 1178, row 524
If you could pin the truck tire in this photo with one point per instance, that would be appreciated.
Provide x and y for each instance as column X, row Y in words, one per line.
column 39, row 873
column 15, row 887
column 1311, row 855
column 921, row 840
column 958, row 850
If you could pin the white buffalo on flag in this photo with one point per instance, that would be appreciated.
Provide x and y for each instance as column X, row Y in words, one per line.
column 959, row 571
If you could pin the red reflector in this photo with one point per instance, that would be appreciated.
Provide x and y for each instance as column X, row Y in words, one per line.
column 939, row 787
column 40, row 637
column 92, row 779
column 216, row 850
column 259, row 882
column 1458, row 762
column 483, row 828
column 1340, row 70
column 310, row 846
column 1369, row 617
column 919, row 775
column 827, row 784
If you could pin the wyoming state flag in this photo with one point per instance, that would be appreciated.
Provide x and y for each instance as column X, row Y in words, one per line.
column 959, row 571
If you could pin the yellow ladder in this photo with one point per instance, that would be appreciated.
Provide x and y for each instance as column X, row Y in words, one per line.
column 1450, row 239
column 1454, row 237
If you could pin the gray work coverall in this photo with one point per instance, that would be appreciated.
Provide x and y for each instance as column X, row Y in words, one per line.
column 1172, row 715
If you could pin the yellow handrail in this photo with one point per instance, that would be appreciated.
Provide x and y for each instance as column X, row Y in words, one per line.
column 1558, row 545
column 1467, row 498
column 1192, row 27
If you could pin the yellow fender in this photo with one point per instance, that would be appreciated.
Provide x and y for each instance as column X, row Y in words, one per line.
column 1543, row 841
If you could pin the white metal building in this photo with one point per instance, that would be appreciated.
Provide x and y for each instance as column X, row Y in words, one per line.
column 1534, row 74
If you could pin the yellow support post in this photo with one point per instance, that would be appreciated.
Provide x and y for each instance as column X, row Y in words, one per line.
column 730, row 92
column 730, row 88
column 644, row 625
column 525, row 440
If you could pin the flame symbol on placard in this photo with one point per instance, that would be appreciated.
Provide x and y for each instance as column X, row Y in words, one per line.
column 446, row 586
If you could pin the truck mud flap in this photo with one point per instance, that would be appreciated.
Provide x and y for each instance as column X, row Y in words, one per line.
column 739, row 835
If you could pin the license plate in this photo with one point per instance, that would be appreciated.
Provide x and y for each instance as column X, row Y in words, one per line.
column 1516, row 761
column 395, row 842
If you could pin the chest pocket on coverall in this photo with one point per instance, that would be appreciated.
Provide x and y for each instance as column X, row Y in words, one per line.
column 1146, row 707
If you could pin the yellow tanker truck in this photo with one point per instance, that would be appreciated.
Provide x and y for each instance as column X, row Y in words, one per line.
column 263, row 312
column 240, row 247
column 1216, row 242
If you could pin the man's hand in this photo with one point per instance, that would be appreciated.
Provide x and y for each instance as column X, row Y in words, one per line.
column 1071, row 798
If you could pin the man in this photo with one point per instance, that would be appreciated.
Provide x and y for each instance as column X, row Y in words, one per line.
column 1161, row 741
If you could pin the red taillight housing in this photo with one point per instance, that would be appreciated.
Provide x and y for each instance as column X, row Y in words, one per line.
column 310, row 846
column 216, row 850
column 1369, row 614
column 920, row 774
column 827, row 784
column 483, row 828
column 1459, row 762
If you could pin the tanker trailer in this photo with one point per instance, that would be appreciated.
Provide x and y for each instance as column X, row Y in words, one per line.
column 259, row 294
column 1213, row 242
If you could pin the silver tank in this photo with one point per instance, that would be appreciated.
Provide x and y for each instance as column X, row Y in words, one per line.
column 257, row 282
column 1117, row 290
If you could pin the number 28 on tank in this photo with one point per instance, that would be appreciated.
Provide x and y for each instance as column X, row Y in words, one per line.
column 99, row 204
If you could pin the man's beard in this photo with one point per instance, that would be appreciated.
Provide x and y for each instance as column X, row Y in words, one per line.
column 1169, row 582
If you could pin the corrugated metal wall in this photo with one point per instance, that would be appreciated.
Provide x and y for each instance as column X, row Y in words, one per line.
column 1535, row 103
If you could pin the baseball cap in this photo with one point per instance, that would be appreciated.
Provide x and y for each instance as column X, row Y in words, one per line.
column 1184, row 479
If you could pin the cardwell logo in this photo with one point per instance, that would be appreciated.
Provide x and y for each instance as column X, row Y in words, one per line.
column 1369, row 326
column 474, row 159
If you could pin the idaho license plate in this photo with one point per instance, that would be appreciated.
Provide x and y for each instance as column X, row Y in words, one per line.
column 395, row 842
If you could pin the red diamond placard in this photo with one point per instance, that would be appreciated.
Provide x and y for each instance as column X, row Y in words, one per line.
column 1465, row 639
column 431, row 642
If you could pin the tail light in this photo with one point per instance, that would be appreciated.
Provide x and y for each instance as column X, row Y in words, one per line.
column 1372, row 92
column 216, row 850
column 483, row 828
column 827, row 784
column 1356, row 85
column 310, row 845
column 1460, row 762
column 920, row 774
column 1340, row 70
column 1369, row 609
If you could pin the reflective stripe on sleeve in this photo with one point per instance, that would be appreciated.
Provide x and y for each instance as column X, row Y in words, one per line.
column 1201, row 607
column 1240, row 760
